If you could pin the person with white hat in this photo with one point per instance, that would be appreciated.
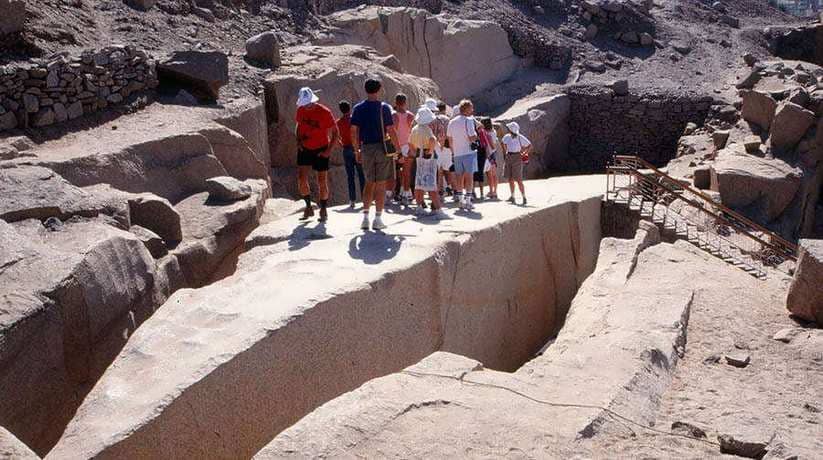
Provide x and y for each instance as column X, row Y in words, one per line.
column 439, row 127
column 516, row 148
column 422, row 142
column 316, row 135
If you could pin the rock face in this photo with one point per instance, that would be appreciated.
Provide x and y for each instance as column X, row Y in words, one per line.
column 253, row 364
column 204, row 71
column 805, row 298
column 85, row 262
column 544, row 120
column 763, row 188
column 264, row 47
column 14, row 16
column 453, row 406
column 143, row 5
column 442, row 48
column 61, row 294
column 12, row 448
column 337, row 73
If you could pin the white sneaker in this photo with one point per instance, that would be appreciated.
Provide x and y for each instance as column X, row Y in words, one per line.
column 365, row 224
column 457, row 198
column 352, row 204
column 378, row 224
column 420, row 212
column 469, row 205
column 439, row 214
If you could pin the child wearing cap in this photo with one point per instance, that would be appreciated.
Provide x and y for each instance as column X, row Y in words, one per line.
column 316, row 136
column 422, row 142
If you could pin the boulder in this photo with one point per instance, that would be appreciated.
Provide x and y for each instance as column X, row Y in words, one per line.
column 749, row 80
column 8, row 121
column 695, row 144
column 681, row 47
column 620, row 87
column 214, row 231
column 205, row 72
column 790, row 124
column 31, row 192
column 336, row 74
column 14, row 16
column 752, row 144
column 720, row 137
column 646, row 39
column 544, row 120
column 156, row 214
column 805, row 299
column 748, row 448
column 440, row 47
column 591, row 32
column 392, row 62
column 152, row 241
column 264, row 47
column 758, row 108
column 12, row 449
column 763, row 187
column 702, row 178
column 750, row 59
column 227, row 188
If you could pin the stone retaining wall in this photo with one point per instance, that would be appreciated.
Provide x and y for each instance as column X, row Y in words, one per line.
column 65, row 88
column 602, row 123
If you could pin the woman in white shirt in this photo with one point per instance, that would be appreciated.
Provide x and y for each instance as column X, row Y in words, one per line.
column 516, row 148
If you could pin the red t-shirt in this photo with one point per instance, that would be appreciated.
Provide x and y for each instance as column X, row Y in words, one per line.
column 313, row 123
column 344, row 126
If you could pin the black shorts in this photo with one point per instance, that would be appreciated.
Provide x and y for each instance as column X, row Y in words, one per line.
column 306, row 157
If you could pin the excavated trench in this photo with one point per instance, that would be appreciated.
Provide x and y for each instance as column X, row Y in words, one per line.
column 495, row 291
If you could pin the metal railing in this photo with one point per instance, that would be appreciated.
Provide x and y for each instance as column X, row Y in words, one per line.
column 691, row 214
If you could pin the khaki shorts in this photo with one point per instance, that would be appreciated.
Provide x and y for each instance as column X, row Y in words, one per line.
column 377, row 167
column 514, row 167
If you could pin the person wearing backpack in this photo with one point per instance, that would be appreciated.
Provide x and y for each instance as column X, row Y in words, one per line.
column 516, row 149
column 374, row 140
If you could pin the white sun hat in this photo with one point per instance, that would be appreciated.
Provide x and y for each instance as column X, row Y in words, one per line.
column 513, row 127
column 306, row 96
column 424, row 116
column 431, row 104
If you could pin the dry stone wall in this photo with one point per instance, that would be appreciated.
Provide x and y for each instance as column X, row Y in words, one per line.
column 65, row 88
column 603, row 123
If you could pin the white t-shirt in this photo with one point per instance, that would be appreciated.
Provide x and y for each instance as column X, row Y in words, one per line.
column 515, row 144
column 460, row 128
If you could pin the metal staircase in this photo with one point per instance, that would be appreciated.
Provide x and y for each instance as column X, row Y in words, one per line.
column 690, row 214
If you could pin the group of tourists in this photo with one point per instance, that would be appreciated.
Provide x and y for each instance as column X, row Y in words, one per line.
column 398, row 155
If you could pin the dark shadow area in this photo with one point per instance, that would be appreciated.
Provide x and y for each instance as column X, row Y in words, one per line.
column 375, row 247
column 303, row 235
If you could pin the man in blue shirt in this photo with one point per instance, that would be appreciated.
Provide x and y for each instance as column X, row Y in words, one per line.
column 371, row 121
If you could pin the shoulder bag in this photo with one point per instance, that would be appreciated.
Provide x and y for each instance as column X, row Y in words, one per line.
column 388, row 146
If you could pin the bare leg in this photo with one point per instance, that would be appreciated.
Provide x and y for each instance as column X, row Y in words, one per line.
column 368, row 196
column 380, row 196
column 435, row 197
column 522, row 188
column 323, row 184
column 303, row 180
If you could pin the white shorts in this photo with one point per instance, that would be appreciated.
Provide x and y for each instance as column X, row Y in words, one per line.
column 444, row 158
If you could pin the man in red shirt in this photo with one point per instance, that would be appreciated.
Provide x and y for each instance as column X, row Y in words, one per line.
column 344, row 128
column 316, row 135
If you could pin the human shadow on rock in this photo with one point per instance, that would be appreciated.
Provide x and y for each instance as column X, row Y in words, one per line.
column 375, row 247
